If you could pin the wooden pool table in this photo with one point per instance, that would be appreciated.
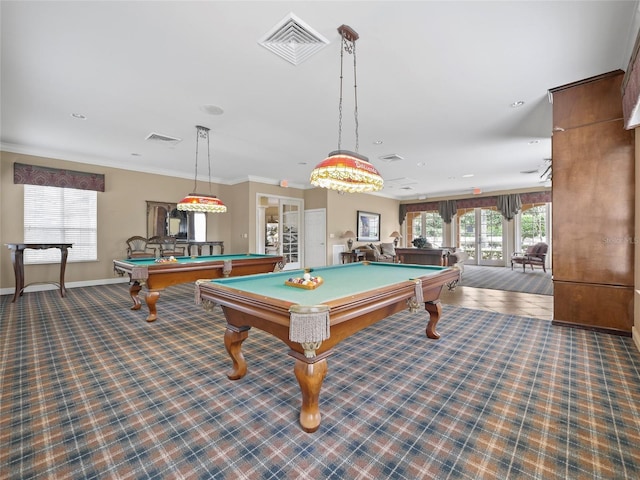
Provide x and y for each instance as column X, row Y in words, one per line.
column 158, row 276
column 312, row 322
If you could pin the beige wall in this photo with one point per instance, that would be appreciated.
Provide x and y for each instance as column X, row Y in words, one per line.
column 122, row 213
column 342, row 215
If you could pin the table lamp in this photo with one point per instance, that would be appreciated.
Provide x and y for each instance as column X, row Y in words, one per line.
column 349, row 235
column 396, row 237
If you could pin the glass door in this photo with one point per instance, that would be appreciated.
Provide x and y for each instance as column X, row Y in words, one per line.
column 290, row 211
column 481, row 235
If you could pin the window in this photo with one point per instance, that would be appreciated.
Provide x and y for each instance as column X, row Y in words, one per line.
column 64, row 215
column 533, row 224
column 428, row 225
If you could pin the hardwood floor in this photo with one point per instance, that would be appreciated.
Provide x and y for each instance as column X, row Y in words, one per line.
column 525, row 304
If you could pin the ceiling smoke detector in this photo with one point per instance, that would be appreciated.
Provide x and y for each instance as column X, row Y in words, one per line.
column 293, row 40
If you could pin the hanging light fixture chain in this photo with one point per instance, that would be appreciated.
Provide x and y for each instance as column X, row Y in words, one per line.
column 342, row 49
column 195, row 178
column 209, row 160
column 355, row 93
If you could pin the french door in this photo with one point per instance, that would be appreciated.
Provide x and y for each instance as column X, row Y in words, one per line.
column 482, row 236
column 281, row 234
column 290, row 232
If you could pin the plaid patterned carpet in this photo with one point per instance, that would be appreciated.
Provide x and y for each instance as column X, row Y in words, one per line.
column 91, row 390
column 503, row 278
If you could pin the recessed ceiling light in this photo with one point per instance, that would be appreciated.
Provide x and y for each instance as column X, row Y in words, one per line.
column 517, row 104
column 467, row 175
column 212, row 109
column 377, row 142
column 533, row 142
column 421, row 164
column 79, row 116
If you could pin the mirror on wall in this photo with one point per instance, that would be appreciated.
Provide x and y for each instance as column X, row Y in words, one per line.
column 164, row 219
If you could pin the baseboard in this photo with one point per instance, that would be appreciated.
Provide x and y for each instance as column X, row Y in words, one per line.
column 593, row 328
column 635, row 334
column 68, row 285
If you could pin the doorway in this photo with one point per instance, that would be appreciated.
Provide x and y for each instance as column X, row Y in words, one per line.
column 279, row 228
column 481, row 234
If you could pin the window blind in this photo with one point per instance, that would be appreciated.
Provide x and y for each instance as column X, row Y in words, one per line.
column 60, row 215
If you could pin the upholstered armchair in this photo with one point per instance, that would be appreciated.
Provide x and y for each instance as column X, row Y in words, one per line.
column 536, row 255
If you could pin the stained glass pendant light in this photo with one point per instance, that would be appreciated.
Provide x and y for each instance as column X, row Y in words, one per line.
column 344, row 170
column 197, row 202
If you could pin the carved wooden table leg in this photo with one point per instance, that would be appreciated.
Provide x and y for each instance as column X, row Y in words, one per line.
column 435, row 311
column 233, row 338
column 310, row 377
column 152, row 298
column 134, row 289
column 64, row 253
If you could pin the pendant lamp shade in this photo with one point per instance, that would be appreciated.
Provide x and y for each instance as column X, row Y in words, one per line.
column 197, row 202
column 347, row 171
column 344, row 170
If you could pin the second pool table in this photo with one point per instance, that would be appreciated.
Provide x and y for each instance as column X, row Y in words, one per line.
column 157, row 276
column 312, row 322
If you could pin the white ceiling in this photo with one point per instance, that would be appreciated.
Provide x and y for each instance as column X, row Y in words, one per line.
column 435, row 85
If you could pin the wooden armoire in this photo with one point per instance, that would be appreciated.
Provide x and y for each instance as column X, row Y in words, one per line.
column 593, row 206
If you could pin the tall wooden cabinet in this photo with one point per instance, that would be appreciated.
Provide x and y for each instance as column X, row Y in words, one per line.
column 593, row 206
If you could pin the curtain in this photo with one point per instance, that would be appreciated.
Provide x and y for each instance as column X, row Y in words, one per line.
column 509, row 205
column 402, row 214
column 447, row 209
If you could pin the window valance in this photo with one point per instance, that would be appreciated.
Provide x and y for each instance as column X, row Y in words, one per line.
column 473, row 202
column 56, row 177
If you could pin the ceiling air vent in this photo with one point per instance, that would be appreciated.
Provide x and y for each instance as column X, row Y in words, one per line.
column 293, row 40
column 159, row 138
column 394, row 157
column 401, row 183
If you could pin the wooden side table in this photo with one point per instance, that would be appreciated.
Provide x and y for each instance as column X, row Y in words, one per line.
column 17, row 259
column 352, row 256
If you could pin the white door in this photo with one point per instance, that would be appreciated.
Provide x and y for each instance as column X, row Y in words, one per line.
column 315, row 234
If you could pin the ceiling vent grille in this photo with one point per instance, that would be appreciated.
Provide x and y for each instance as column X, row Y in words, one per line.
column 159, row 138
column 394, row 157
column 293, row 40
column 401, row 183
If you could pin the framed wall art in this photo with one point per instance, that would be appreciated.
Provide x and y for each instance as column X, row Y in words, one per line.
column 368, row 226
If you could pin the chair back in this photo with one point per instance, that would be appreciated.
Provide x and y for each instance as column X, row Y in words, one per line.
column 540, row 249
column 137, row 248
column 168, row 247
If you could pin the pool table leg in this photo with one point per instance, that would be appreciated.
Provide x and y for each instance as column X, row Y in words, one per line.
column 310, row 377
column 134, row 289
column 233, row 338
column 435, row 311
column 151, row 299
